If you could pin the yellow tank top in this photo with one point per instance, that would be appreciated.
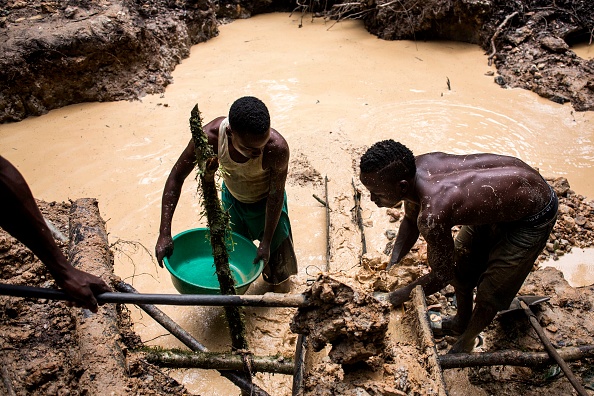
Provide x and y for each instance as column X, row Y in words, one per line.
column 247, row 181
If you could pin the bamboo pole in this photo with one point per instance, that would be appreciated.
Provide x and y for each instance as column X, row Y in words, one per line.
column 242, row 380
column 513, row 358
column 218, row 222
column 219, row 361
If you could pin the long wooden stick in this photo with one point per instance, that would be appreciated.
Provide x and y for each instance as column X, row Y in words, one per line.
column 513, row 358
column 359, row 218
column 327, row 225
column 219, row 361
column 299, row 366
column 497, row 33
column 264, row 300
column 553, row 352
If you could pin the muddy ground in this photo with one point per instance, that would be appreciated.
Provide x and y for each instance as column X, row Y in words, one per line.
column 41, row 351
column 58, row 52
column 365, row 348
column 401, row 365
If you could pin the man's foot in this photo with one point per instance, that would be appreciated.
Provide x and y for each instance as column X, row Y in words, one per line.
column 466, row 345
column 449, row 327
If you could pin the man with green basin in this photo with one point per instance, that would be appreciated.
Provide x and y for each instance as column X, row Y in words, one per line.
column 254, row 159
column 506, row 211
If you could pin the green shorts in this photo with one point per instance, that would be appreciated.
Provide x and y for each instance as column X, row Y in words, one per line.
column 248, row 219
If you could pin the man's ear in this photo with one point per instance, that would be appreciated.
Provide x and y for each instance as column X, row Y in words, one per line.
column 228, row 131
column 403, row 186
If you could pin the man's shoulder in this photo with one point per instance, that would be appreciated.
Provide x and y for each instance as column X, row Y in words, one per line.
column 277, row 142
column 212, row 129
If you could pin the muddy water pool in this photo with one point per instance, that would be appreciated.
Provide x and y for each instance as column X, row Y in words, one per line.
column 332, row 90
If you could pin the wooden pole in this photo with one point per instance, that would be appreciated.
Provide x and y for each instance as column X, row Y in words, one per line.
column 359, row 218
column 327, row 226
column 424, row 335
column 219, row 361
column 513, row 358
column 218, row 223
column 262, row 300
column 104, row 369
column 299, row 366
column 552, row 351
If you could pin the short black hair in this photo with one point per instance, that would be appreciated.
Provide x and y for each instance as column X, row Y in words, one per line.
column 249, row 115
column 383, row 153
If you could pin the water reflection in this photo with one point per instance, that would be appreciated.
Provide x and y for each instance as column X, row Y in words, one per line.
column 577, row 267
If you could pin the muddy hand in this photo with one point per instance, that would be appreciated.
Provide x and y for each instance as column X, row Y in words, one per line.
column 399, row 296
column 83, row 287
column 163, row 249
column 263, row 254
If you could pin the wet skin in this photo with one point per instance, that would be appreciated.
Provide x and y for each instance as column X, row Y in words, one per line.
column 242, row 147
column 449, row 190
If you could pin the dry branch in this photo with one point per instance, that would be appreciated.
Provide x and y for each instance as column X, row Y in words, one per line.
column 497, row 33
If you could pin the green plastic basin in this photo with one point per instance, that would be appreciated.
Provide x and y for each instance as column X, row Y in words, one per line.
column 192, row 266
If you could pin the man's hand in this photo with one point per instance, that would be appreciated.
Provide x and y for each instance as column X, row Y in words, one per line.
column 390, row 265
column 164, row 248
column 83, row 287
column 263, row 254
column 399, row 296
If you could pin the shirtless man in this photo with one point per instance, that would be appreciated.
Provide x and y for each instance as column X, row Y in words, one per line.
column 20, row 217
column 255, row 160
column 506, row 210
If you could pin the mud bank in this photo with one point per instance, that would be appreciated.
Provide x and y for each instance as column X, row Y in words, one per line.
column 57, row 53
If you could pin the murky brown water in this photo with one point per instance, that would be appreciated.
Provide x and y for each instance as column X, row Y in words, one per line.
column 331, row 89
column 584, row 50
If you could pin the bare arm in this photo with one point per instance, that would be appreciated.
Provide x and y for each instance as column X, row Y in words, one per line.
column 21, row 217
column 180, row 171
column 278, row 160
column 408, row 233
column 440, row 257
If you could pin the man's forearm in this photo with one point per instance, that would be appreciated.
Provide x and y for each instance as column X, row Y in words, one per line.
column 168, row 205
column 22, row 218
column 274, row 207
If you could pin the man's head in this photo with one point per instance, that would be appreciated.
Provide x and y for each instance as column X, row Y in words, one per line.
column 387, row 169
column 249, row 126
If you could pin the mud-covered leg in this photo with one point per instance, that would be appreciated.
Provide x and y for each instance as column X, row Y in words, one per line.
column 282, row 264
column 482, row 316
column 458, row 323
